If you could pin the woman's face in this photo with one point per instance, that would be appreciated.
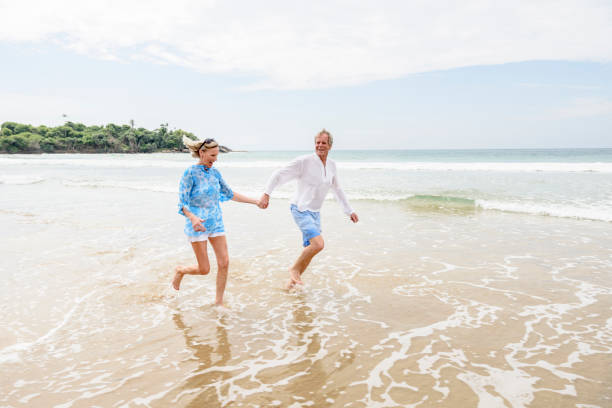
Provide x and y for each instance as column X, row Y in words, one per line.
column 209, row 156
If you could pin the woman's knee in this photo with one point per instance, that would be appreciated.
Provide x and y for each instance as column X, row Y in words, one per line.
column 203, row 269
column 223, row 263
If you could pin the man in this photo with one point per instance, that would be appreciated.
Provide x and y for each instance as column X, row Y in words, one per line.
column 316, row 174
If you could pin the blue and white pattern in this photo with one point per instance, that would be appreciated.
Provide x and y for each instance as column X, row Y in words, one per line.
column 309, row 223
column 201, row 190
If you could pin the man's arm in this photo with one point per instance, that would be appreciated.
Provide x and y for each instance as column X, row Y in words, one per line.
column 341, row 197
column 280, row 177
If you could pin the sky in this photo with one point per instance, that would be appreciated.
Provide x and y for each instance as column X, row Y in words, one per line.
column 269, row 75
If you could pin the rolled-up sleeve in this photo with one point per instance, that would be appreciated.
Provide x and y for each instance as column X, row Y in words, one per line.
column 185, row 190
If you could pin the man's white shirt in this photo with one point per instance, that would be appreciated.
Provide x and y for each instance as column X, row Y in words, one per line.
column 313, row 182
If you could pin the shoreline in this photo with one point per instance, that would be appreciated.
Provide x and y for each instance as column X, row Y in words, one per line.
column 91, row 152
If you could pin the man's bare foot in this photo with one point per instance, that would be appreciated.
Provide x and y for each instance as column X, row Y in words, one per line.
column 294, row 279
column 289, row 284
column 178, row 277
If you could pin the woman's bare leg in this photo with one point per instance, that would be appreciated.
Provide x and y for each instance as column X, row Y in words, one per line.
column 202, row 268
column 219, row 244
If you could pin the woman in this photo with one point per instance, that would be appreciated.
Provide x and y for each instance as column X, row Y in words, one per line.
column 201, row 190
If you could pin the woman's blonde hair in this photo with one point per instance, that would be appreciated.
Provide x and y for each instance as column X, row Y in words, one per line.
column 195, row 146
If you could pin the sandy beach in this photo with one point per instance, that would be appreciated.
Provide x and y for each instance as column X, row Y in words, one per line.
column 429, row 304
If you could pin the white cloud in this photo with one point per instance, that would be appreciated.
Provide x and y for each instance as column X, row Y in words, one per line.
column 298, row 45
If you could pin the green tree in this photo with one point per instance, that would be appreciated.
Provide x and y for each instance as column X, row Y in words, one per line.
column 14, row 144
column 10, row 126
column 73, row 137
column 48, row 144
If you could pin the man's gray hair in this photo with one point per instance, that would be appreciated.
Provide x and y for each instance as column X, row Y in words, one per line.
column 329, row 136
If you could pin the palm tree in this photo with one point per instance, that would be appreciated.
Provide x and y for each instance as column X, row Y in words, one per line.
column 132, row 138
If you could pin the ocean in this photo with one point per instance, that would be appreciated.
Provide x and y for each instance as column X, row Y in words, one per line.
column 474, row 278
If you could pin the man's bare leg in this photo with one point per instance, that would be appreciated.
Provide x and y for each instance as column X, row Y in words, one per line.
column 202, row 268
column 300, row 265
column 219, row 244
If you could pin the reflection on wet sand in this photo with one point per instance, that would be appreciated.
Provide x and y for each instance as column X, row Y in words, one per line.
column 205, row 383
column 308, row 337
column 312, row 360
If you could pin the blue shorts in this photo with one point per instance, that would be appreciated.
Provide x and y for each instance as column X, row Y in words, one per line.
column 309, row 223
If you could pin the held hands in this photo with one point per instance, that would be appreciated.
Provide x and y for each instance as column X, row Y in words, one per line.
column 263, row 201
column 261, row 205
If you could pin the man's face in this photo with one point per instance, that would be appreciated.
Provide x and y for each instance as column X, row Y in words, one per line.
column 322, row 146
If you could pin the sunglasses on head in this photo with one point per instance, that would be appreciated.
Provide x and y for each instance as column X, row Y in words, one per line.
column 207, row 142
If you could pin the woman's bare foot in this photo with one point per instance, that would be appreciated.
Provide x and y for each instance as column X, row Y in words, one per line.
column 178, row 277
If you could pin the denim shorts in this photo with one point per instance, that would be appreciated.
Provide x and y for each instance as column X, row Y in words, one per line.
column 309, row 223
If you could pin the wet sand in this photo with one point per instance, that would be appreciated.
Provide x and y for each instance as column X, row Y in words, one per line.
column 411, row 307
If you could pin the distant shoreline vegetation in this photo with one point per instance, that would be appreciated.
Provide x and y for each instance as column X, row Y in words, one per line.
column 77, row 138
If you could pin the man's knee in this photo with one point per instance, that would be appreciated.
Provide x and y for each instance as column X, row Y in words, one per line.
column 317, row 244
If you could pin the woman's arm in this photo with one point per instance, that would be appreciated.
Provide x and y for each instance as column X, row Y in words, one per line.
column 244, row 199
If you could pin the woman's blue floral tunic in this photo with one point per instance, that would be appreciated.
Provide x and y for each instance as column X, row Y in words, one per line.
column 201, row 190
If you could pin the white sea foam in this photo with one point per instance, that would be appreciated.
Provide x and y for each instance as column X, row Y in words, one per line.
column 27, row 398
column 10, row 353
column 93, row 161
column 20, row 179
column 129, row 161
column 597, row 213
column 483, row 166
column 515, row 386
column 140, row 186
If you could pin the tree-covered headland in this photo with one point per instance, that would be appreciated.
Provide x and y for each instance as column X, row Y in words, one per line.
column 78, row 138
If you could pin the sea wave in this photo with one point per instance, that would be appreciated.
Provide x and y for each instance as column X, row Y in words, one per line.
column 20, row 179
column 152, row 162
column 483, row 166
column 594, row 212
column 415, row 202
column 159, row 188
column 104, row 162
